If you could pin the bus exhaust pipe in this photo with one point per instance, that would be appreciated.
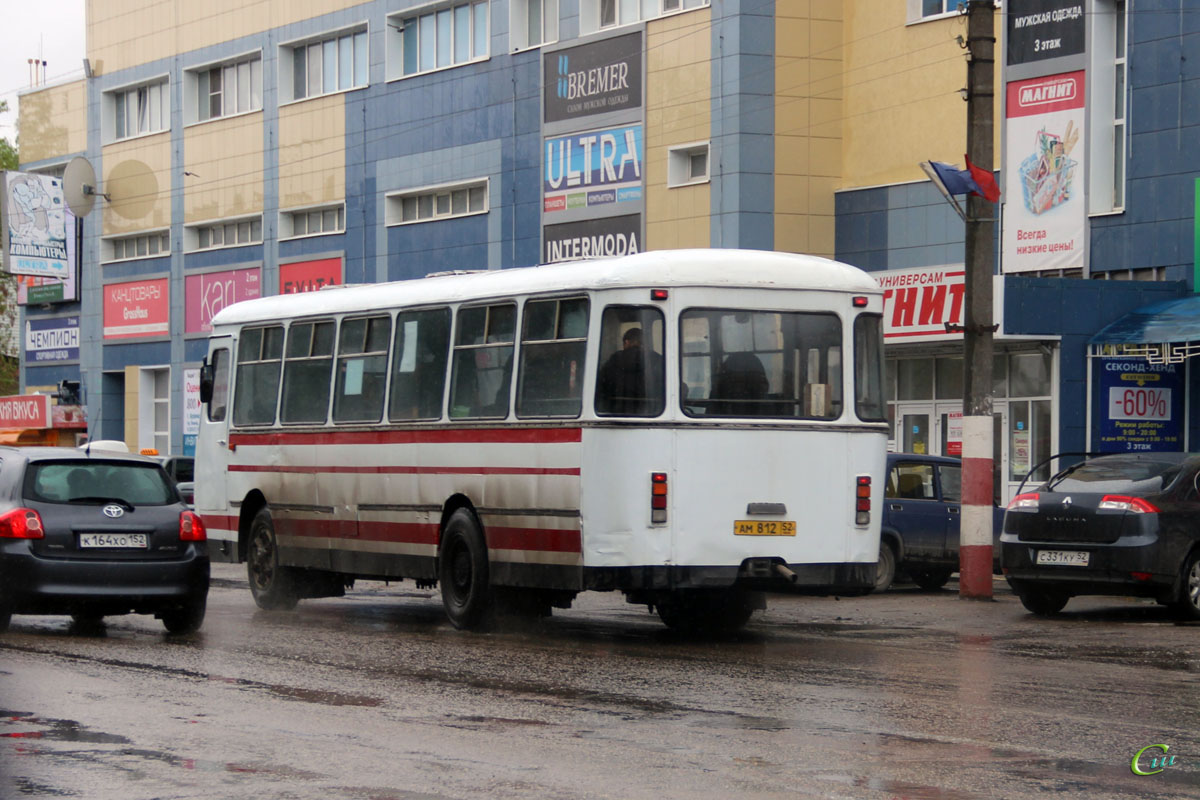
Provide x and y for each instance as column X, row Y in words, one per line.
column 786, row 573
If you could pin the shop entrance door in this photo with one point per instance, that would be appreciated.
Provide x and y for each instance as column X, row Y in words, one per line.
column 914, row 431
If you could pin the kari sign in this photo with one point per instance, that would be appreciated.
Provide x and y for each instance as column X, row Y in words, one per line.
column 594, row 169
column 25, row 411
column 208, row 293
column 1040, row 29
column 594, row 78
column 1045, row 216
column 308, row 276
column 35, row 229
column 136, row 309
column 49, row 341
column 1141, row 406
column 594, row 238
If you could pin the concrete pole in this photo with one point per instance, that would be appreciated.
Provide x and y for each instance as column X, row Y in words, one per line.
column 975, row 543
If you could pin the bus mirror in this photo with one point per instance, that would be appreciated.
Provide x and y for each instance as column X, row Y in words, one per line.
column 206, row 383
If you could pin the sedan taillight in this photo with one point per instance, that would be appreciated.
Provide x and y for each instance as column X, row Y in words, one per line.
column 191, row 528
column 21, row 523
column 1024, row 502
column 1120, row 502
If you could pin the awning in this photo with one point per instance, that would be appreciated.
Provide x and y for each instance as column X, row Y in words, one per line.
column 1168, row 322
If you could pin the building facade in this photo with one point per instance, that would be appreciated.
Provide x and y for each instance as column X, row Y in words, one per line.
column 255, row 149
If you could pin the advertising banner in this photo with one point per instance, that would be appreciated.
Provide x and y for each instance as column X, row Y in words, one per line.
column 191, row 410
column 35, row 225
column 593, row 78
column 1040, row 29
column 1141, row 406
column 25, row 411
column 594, row 238
column 920, row 302
column 207, row 293
column 49, row 341
column 308, row 276
column 136, row 309
column 1045, row 216
column 593, row 169
column 34, row 290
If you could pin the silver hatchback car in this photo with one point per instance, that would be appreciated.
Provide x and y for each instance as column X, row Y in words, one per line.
column 97, row 533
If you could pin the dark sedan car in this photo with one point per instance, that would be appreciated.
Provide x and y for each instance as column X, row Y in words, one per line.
column 97, row 533
column 1112, row 525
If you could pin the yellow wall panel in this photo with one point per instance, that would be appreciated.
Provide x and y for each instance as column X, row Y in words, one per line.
column 136, row 175
column 132, row 387
column 312, row 148
column 679, row 81
column 226, row 159
column 132, row 32
column 52, row 122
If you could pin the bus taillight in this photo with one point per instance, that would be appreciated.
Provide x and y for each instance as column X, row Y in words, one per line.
column 658, row 497
column 862, row 500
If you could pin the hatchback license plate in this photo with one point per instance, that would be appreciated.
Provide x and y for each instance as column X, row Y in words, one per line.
column 1070, row 558
column 764, row 527
column 113, row 540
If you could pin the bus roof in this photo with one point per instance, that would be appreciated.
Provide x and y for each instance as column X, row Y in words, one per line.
column 756, row 269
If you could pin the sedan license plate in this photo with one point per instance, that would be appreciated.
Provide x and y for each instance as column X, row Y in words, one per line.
column 1070, row 558
column 113, row 540
column 764, row 527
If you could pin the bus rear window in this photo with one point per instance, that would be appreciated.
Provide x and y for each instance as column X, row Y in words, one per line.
column 743, row 363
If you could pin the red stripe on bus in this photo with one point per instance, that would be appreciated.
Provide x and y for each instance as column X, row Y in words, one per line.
column 528, row 539
column 457, row 436
column 399, row 470
column 406, row 532
column 219, row 522
column 541, row 539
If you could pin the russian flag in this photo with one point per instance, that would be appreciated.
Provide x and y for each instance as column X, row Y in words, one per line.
column 985, row 182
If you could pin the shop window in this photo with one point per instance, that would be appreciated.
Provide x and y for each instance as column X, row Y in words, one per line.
column 915, row 378
column 1029, row 375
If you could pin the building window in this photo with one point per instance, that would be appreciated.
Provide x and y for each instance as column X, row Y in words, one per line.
column 138, row 111
column 312, row 222
column 687, row 164
column 1107, row 104
column 612, row 13
column 325, row 66
column 154, row 413
column 231, row 233
column 226, row 89
column 145, row 245
column 1119, row 89
column 534, row 22
column 444, row 36
column 439, row 202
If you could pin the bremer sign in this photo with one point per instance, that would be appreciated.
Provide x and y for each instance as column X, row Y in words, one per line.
column 135, row 309
column 25, row 411
column 594, row 78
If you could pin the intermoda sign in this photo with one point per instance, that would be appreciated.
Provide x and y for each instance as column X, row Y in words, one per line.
column 594, row 78
column 595, row 238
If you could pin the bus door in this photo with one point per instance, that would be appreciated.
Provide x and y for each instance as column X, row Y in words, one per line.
column 212, row 444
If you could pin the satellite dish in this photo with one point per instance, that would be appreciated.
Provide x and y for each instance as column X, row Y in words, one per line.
column 79, row 186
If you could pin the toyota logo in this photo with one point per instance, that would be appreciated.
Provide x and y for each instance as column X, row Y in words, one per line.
column 1066, row 501
column 114, row 511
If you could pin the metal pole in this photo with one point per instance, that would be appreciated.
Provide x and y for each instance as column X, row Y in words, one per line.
column 975, row 543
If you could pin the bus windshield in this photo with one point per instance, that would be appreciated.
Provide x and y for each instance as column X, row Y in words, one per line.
column 743, row 363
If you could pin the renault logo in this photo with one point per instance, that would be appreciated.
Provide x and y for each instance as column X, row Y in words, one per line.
column 114, row 511
column 1067, row 501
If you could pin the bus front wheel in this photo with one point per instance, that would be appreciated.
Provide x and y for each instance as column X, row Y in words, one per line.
column 273, row 586
column 713, row 612
column 463, row 571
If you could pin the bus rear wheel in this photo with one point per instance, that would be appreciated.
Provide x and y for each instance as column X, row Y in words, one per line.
column 273, row 586
column 711, row 612
column 463, row 572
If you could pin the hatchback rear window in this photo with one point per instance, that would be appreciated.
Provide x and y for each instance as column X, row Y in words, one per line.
column 95, row 481
column 1121, row 476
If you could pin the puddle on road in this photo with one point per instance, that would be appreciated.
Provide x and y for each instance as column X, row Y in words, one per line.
column 55, row 730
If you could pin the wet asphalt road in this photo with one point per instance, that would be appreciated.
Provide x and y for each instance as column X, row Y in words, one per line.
column 375, row 696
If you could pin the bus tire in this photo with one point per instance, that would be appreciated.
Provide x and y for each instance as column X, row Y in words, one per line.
column 463, row 572
column 274, row 587
column 708, row 612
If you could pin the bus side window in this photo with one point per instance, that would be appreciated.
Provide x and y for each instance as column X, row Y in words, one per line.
column 362, row 369
column 306, row 370
column 419, row 364
column 256, row 393
column 483, row 351
column 219, row 404
column 631, row 380
column 553, row 348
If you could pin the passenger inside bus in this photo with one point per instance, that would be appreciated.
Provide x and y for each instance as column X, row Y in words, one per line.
column 622, row 381
column 741, row 382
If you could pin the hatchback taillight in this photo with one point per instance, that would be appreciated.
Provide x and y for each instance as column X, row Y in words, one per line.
column 1024, row 502
column 191, row 529
column 21, row 523
column 1120, row 502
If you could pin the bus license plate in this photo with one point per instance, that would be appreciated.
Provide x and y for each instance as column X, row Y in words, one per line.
column 1071, row 558
column 113, row 540
column 764, row 527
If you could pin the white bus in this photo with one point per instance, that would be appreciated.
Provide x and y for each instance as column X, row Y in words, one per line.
column 691, row 428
